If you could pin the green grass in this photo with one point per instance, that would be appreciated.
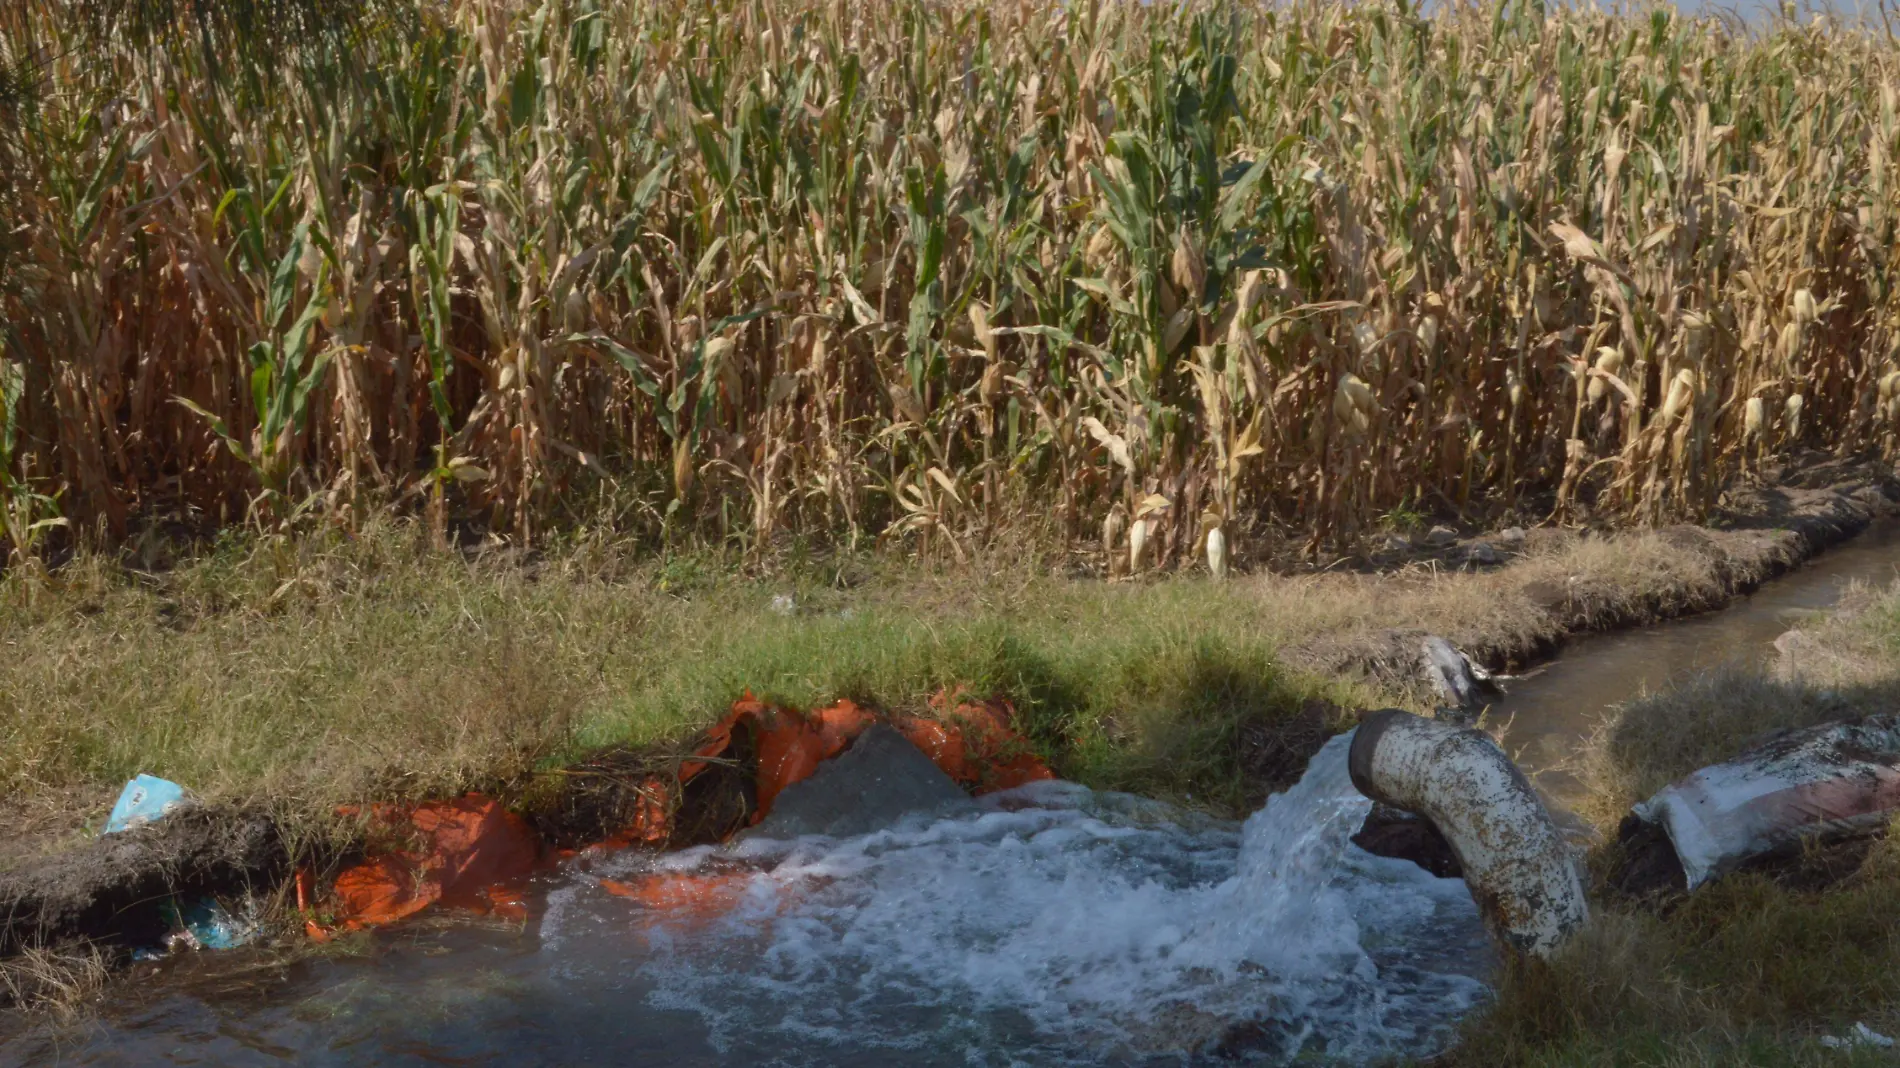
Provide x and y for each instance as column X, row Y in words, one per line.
column 318, row 673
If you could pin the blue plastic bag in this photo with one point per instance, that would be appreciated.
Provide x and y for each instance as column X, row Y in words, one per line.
column 145, row 799
column 205, row 924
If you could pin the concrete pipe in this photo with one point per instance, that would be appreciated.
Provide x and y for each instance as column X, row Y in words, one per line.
column 1518, row 867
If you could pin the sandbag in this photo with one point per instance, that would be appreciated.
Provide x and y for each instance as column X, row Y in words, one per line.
column 1824, row 782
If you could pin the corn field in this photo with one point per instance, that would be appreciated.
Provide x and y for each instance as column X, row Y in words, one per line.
column 917, row 269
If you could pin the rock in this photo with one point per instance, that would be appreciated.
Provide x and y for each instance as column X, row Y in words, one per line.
column 1872, row 497
column 783, row 605
column 1268, row 1040
column 1464, row 685
column 1397, row 543
column 1482, row 553
column 1391, row 832
column 1794, row 649
column 1439, row 537
column 1512, row 538
column 1546, row 595
column 1791, row 644
column 868, row 787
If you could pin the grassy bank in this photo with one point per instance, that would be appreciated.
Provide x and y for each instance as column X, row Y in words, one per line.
column 307, row 673
column 933, row 271
column 1753, row 969
column 310, row 674
column 301, row 674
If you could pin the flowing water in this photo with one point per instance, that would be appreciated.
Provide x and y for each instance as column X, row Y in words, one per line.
column 1050, row 925
column 1553, row 706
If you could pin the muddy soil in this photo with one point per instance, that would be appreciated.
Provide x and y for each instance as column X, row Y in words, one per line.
column 114, row 890
column 1644, row 869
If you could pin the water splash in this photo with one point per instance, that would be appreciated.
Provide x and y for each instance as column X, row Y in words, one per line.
column 1055, row 925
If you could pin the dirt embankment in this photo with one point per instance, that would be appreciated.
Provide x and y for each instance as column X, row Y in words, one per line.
column 1557, row 584
column 115, row 888
column 109, row 894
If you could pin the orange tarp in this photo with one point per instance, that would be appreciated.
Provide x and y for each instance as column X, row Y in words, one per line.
column 689, row 894
column 462, row 853
column 974, row 743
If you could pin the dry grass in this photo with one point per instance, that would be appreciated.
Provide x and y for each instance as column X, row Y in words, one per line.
column 1563, row 583
column 56, row 981
column 1745, row 974
column 918, row 269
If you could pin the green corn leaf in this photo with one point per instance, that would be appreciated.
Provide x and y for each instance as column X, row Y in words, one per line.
column 648, row 188
column 283, row 283
column 262, row 370
column 216, row 423
column 12, row 388
column 628, row 359
column 86, row 213
column 1233, row 199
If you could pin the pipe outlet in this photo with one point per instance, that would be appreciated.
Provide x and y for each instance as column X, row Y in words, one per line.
column 1519, row 869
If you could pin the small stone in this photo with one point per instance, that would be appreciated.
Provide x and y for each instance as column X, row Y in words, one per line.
column 1791, row 642
column 783, row 604
column 1511, row 537
column 1397, row 543
column 1482, row 553
column 1439, row 537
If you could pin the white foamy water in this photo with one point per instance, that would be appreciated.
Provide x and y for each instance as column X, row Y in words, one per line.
column 1052, row 925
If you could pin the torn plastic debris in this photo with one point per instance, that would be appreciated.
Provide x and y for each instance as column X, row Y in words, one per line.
column 1860, row 1037
column 1825, row 782
column 145, row 799
column 1464, row 685
column 465, row 853
column 207, row 924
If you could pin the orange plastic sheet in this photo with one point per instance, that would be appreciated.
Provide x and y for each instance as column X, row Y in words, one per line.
column 689, row 895
column 974, row 742
column 463, row 853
